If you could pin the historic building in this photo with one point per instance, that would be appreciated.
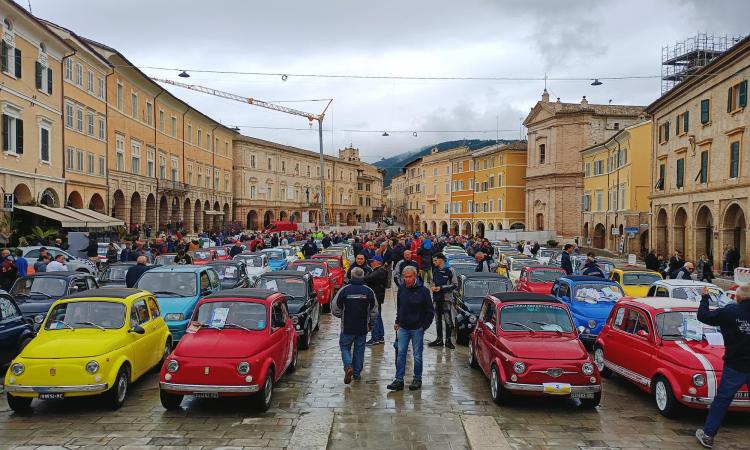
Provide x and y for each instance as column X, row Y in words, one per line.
column 33, row 160
column 616, row 184
column 437, row 191
column 396, row 199
column 557, row 132
column 369, row 187
column 701, row 183
column 413, row 188
column 462, row 194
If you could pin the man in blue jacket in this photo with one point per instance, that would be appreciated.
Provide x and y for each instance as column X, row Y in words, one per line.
column 414, row 314
column 565, row 262
column 443, row 284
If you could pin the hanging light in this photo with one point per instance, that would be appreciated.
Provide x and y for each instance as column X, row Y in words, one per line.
column 184, row 74
column 414, row 134
column 284, row 77
column 385, row 133
column 596, row 82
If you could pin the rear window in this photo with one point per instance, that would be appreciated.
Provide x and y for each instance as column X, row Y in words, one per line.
column 544, row 276
column 640, row 279
column 535, row 317
column 287, row 285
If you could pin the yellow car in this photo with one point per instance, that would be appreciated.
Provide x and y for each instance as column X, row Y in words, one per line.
column 634, row 280
column 95, row 342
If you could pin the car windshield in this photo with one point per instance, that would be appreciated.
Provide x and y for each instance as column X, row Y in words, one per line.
column 480, row 288
column 86, row 315
column 597, row 293
column 227, row 271
column 463, row 269
column 332, row 263
column 684, row 325
column 606, row 266
column 40, row 286
column 275, row 255
column 544, row 276
column 519, row 264
column 317, row 270
column 231, row 314
column 169, row 284
column 640, row 279
column 536, row 317
column 221, row 252
column 115, row 273
column 201, row 255
column 694, row 293
column 287, row 285
column 165, row 260
column 253, row 261
column 547, row 253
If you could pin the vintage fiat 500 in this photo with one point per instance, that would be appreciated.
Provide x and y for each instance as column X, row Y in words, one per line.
column 323, row 280
column 335, row 266
column 471, row 290
column 538, row 279
column 302, row 300
column 526, row 344
column 91, row 343
column 240, row 342
column 634, row 280
column 659, row 345
column 590, row 299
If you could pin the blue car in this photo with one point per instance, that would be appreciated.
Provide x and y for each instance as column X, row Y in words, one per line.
column 276, row 258
column 178, row 289
column 15, row 331
column 590, row 300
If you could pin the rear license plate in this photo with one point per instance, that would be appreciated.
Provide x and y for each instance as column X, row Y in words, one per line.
column 206, row 394
column 582, row 395
column 742, row 395
column 51, row 396
column 556, row 388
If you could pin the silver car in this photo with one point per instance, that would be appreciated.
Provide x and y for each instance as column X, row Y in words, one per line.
column 74, row 264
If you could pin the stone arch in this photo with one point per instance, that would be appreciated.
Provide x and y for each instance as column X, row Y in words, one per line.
column 118, row 205
column 466, row 228
column 540, row 222
column 491, row 226
column 97, row 204
column 252, row 220
column 704, row 232
column 443, row 227
column 23, row 195
column 350, row 219
column 433, row 227
column 599, row 236
column 517, row 226
column 163, row 212
column 135, row 208
column 267, row 218
column 500, row 225
column 662, row 232
column 480, row 228
column 425, row 227
column 585, row 232
column 75, row 200
column 680, row 224
column 187, row 215
column 734, row 230
column 198, row 217
column 283, row 215
column 411, row 223
column 50, row 198
column 151, row 210
column 455, row 227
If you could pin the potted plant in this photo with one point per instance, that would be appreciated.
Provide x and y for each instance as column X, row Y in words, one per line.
column 553, row 243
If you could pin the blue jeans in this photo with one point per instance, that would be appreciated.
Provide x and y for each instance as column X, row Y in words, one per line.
column 354, row 360
column 731, row 381
column 417, row 344
column 378, row 330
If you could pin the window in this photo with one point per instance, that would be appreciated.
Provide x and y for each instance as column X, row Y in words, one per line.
column 12, row 134
column 79, row 160
column 162, row 166
column 598, row 167
column 269, row 168
column 252, row 164
column 190, row 173
column 100, row 91
column 737, row 96
column 175, row 172
column 120, row 97
column 174, row 126
column 44, row 141
column 217, row 174
column 662, row 173
column 598, row 200
column 90, row 122
column 90, row 82
column 705, row 110
column 68, row 69
column 283, row 166
column 587, row 170
column 252, row 192
column 150, row 161
column 138, row 313
column 200, row 175
column 11, row 60
column 69, row 115
column 120, row 151
column 161, row 121
column 200, row 137
column 102, row 166
column 189, row 136
column 79, row 119
column 79, row 75
column 226, row 182
column 734, row 160
column 69, row 158
column 102, row 128
column 664, row 133
column 150, row 114
column 680, row 182
column 135, row 157
column 683, row 120
column 134, row 105
column 703, row 174
column 90, row 163
column 542, row 153
column 43, row 77
column 586, row 203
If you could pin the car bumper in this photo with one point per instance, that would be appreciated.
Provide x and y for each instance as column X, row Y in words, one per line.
column 539, row 389
column 706, row 401
column 189, row 389
column 83, row 389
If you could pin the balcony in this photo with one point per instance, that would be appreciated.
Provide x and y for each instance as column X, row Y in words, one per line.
column 171, row 186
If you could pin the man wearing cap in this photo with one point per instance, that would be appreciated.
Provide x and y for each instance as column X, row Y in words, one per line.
column 443, row 284
column 377, row 280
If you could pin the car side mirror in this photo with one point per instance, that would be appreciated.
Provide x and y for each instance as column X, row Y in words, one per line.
column 206, row 291
column 490, row 326
column 643, row 334
column 137, row 330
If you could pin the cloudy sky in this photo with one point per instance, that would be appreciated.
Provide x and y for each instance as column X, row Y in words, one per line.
column 414, row 38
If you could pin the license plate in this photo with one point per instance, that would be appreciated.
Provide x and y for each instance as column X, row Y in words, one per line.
column 742, row 396
column 206, row 394
column 556, row 388
column 51, row 396
column 582, row 395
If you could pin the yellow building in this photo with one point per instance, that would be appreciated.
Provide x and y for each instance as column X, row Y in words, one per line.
column 413, row 193
column 437, row 188
column 462, row 194
column 616, row 185
column 499, row 187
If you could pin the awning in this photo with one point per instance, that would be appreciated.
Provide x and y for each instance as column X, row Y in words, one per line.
column 214, row 213
column 72, row 217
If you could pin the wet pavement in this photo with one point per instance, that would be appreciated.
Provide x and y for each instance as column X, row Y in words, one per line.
column 365, row 414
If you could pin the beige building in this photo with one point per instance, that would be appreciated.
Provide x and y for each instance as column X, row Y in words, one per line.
column 701, row 182
column 32, row 160
column 369, row 187
column 413, row 189
column 557, row 132
column 397, row 199
column 437, row 188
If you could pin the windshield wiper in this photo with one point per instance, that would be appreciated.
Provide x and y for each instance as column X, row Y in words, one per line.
column 235, row 326
column 177, row 294
column 519, row 324
column 19, row 294
column 90, row 324
column 545, row 324
column 39, row 293
column 205, row 325
column 64, row 323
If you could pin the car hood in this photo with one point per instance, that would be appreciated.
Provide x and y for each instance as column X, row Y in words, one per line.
column 36, row 306
column 596, row 311
column 636, row 290
column 544, row 345
column 231, row 343
column 693, row 354
column 540, row 288
column 78, row 343
column 183, row 305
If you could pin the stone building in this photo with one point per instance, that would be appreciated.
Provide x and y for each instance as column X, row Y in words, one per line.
column 369, row 187
column 701, row 182
column 437, row 191
column 413, row 188
column 396, row 199
column 557, row 132
column 462, row 194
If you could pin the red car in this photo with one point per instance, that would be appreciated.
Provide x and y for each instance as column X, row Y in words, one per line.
column 526, row 344
column 323, row 279
column 658, row 344
column 240, row 342
column 335, row 265
column 202, row 257
column 538, row 279
column 221, row 254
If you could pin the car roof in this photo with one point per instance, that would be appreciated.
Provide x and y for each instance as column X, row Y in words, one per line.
column 545, row 267
column 256, row 293
column 510, row 297
column 225, row 262
column 660, row 303
column 484, row 275
column 633, row 269
column 68, row 274
column 586, row 278
column 110, row 292
column 680, row 283
column 121, row 263
column 284, row 273
column 185, row 268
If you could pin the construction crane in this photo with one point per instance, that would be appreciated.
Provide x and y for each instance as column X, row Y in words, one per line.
column 263, row 104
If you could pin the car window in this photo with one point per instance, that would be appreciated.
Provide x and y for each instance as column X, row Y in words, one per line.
column 217, row 314
column 39, row 287
column 78, row 285
column 662, row 292
column 86, row 314
column 633, row 321
column 619, row 318
column 168, row 284
column 7, row 309
column 535, row 317
column 564, row 290
column 32, row 254
column 153, row 307
column 640, row 279
column 489, row 313
column 213, row 278
column 138, row 313
column 641, row 324
column 276, row 315
column 205, row 284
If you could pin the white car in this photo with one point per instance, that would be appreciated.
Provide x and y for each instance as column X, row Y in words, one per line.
column 102, row 251
column 514, row 264
column 74, row 264
column 689, row 290
column 545, row 255
column 256, row 264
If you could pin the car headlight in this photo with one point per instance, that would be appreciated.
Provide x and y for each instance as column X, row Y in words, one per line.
column 519, row 367
column 243, row 368
column 17, row 369
column 295, row 320
column 173, row 366
column 473, row 318
column 39, row 318
column 92, row 367
column 174, row 316
column 699, row 379
column 587, row 368
column 592, row 324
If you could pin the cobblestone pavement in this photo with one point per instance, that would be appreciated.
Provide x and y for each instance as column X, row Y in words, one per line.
column 365, row 414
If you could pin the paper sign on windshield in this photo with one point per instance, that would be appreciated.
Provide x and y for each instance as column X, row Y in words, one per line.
column 272, row 285
column 219, row 317
column 300, row 268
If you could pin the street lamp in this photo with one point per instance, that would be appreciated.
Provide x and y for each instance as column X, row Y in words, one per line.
column 184, row 74
column 596, row 82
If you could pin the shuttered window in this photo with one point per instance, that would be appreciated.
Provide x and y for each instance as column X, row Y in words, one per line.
column 705, row 114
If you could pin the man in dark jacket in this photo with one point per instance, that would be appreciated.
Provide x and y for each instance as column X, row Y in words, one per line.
column 135, row 272
column 398, row 270
column 565, row 262
column 591, row 267
column 652, row 262
column 734, row 323
column 357, row 307
column 309, row 248
column 326, row 241
column 425, row 252
column 361, row 262
column 378, row 281
column 125, row 253
column 414, row 314
column 444, row 282
column 236, row 249
column 92, row 249
column 274, row 240
column 483, row 265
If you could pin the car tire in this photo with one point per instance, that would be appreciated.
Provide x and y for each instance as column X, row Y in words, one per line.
column 666, row 403
column 472, row 357
column 462, row 338
column 262, row 400
column 600, row 364
column 497, row 391
column 591, row 403
column 304, row 342
column 170, row 401
column 19, row 404
column 326, row 308
column 293, row 363
column 115, row 396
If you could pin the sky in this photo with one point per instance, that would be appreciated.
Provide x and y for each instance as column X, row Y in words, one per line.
column 412, row 38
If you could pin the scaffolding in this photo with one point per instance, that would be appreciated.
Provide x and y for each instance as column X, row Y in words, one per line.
column 685, row 57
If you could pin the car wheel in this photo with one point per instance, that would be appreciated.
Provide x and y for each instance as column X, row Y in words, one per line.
column 462, row 338
column 496, row 389
column 666, row 403
column 304, row 343
column 19, row 404
column 600, row 364
column 170, row 401
column 115, row 396
column 326, row 308
column 293, row 363
column 592, row 403
column 262, row 400
column 472, row 357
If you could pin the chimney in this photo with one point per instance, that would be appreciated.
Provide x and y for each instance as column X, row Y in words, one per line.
column 545, row 96
column 584, row 102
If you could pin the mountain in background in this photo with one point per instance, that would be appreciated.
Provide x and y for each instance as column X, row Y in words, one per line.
column 394, row 164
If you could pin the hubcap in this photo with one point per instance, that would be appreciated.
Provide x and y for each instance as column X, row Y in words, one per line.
column 599, row 359
column 122, row 387
column 661, row 396
column 493, row 383
column 267, row 390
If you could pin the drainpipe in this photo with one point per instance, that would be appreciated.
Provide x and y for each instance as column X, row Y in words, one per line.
column 62, row 95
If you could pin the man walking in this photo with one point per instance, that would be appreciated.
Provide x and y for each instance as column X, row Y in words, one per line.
column 565, row 262
column 414, row 314
column 378, row 281
column 734, row 322
column 361, row 262
column 135, row 272
column 357, row 307
column 398, row 271
column 591, row 267
column 443, row 283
